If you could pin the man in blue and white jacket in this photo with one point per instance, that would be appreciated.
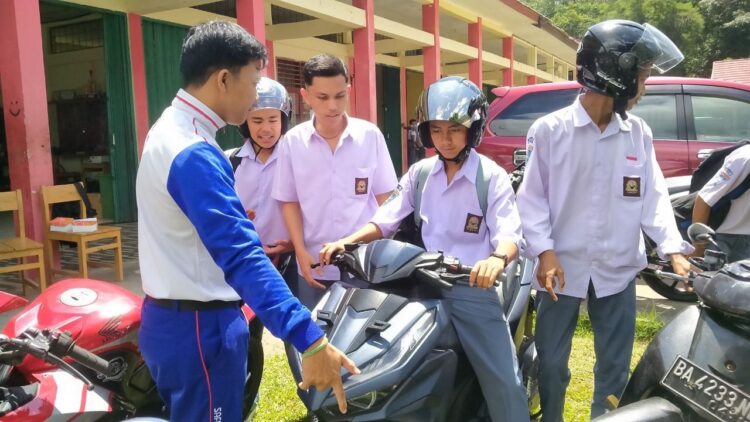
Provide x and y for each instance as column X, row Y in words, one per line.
column 199, row 254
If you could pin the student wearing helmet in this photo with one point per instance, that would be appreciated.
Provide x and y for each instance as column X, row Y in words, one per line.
column 452, row 113
column 267, row 121
column 591, row 185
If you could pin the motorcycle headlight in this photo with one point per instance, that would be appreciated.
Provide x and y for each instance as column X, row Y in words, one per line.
column 404, row 346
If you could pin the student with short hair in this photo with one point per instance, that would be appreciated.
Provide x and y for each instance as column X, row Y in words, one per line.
column 333, row 172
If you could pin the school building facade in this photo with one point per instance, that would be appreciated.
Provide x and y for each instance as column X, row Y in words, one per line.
column 81, row 81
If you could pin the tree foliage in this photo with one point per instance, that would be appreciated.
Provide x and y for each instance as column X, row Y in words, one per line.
column 705, row 30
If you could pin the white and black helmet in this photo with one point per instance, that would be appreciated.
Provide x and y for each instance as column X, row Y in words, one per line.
column 271, row 95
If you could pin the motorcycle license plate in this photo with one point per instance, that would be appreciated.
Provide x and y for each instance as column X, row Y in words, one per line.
column 717, row 398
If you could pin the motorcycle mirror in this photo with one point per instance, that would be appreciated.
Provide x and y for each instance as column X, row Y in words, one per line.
column 700, row 232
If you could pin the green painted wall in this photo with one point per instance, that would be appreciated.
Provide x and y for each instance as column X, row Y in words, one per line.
column 162, row 43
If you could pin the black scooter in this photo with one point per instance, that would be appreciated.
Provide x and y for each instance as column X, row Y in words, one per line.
column 697, row 368
column 397, row 330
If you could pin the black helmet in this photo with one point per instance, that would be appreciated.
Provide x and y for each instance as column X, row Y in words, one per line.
column 271, row 95
column 612, row 52
column 454, row 99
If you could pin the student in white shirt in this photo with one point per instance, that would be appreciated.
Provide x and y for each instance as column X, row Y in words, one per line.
column 591, row 185
column 452, row 113
column 733, row 235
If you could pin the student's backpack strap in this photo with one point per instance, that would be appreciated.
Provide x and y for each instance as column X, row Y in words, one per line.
column 482, row 182
column 423, row 171
column 234, row 159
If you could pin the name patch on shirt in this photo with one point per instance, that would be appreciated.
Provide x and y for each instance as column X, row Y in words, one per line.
column 360, row 185
column 631, row 186
column 472, row 223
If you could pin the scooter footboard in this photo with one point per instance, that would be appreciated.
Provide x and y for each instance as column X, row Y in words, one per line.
column 652, row 409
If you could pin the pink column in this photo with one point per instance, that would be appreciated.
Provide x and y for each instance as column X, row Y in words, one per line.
column 531, row 80
column 251, row 15
column 138, row 69
column 352, row 92
column 431, row 55
column 508, row 54
column 271, row 65
column 475, row 40
column 25, row 106
column 364, row 62
column 404, row 120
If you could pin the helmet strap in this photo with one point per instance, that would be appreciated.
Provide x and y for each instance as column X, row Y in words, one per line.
column 620, row 107
column 459, row 158
column 257, row 148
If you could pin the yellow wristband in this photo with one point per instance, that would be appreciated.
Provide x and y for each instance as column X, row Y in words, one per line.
column 317, row 349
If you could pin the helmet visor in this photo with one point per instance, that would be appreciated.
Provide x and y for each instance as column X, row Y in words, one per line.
column 656, row 50
column 453, row 101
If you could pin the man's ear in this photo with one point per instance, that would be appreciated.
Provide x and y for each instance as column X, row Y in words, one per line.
column 304, row 94
column 221, row 78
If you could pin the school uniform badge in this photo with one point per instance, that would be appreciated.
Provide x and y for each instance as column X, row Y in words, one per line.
column 360, row 185
column 631, row 186
column 472, row 223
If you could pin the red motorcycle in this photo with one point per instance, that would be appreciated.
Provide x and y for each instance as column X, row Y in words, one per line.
column 72, row 353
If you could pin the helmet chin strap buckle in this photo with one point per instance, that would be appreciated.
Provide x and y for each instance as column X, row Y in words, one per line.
column 620, row 106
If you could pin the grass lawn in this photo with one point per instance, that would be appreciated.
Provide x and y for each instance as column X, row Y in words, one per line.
column 279, row 400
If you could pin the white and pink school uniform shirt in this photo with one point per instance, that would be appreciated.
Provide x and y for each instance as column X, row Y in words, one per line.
column 254, row 182
column 587, row 195
column 452, row 219
column 335, row 189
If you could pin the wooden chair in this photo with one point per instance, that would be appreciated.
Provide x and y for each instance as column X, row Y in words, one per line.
column 67, row 193
column 20, row 248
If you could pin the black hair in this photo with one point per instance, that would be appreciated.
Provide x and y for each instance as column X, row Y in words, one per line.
column 412, row 121
column 324, row 65
column 216, row 45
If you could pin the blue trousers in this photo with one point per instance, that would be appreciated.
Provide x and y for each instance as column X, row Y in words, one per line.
column 613, row 322
column 198, row 360
column 482, row 329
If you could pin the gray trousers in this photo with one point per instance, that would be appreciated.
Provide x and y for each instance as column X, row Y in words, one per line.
column 613, row 322
column 480, row 324
column 736, row 246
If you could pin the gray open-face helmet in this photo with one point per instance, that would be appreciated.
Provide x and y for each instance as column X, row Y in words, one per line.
column 612, row 53
column 454, row 99
column 270, row 95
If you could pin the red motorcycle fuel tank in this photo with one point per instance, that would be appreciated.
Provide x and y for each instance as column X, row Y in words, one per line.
column 99, row 315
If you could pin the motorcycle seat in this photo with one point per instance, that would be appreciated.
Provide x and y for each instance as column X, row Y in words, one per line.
column 727, row 290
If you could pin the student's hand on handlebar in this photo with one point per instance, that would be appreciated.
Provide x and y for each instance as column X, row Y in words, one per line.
column 330, row 249
column 485, row 272
column 681, row 266
column 323, row 370
column 305, row 266
column 550, row 272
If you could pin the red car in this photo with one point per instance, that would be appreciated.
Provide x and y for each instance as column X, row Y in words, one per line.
column 689, row 117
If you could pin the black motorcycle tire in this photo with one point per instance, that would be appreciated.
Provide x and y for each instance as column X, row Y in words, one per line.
column 667, row 287
column 255, row 362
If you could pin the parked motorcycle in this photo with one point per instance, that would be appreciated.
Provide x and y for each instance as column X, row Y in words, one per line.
column 72, row 353
column 697, row 368
column 397, row 331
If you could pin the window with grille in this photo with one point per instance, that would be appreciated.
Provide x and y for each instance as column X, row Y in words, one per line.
column 289, row 74
column 76, row 36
